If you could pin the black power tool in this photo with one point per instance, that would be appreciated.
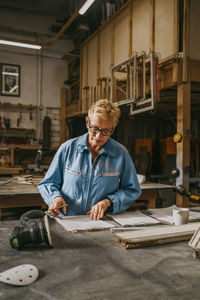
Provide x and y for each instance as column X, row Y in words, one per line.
column 34, row 230
column 181, row 191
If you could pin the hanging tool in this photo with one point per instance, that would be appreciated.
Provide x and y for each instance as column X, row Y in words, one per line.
column 34, row 230
column 30, row 116
column 20, row 115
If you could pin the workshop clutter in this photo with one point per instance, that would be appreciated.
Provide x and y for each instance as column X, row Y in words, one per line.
column 91, row 94
column 16, row 124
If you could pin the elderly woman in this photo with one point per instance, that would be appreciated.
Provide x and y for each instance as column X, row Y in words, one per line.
column 93, row 173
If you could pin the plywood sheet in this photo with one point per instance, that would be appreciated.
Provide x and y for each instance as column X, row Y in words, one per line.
column 194, row 41
column 92, row 62
column 105, row 50
column 141, row 26
column 121, row 39
column 155, row 235
column 164, row 27
column 85, row 65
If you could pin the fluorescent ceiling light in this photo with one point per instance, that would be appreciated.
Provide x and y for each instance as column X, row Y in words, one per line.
column 85, row 6
column 17, row 44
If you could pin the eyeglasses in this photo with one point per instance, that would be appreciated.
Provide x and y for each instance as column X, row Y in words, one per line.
column 104, row 132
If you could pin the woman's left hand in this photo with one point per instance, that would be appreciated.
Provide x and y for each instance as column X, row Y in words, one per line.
column 98, row 210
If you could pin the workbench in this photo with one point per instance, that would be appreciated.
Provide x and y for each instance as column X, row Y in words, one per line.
column 150, row 192
column 15, row 194
column 90, row 266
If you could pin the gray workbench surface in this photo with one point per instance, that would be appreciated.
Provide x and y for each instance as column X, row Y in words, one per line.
column 90, row 266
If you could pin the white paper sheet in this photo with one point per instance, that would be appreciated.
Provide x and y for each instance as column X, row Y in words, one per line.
column 133, row 218
column 166, row 214
column 83, row 223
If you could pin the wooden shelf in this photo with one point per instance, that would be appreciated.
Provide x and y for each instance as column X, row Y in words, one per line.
column 18, row 106
column 13, row 148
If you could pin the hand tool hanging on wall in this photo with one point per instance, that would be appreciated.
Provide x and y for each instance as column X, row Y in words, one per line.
column 30, row 116
column 20, row 115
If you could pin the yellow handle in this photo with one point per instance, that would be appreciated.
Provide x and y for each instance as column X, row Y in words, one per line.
column 195, row 197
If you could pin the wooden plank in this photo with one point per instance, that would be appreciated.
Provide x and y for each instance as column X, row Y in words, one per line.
column 155, row 235
column 176, row 27
column 194, row 66
column 152, row 25
column 11, row 171
column 106, row 58
column 130, row 8
column 122, row 37
column 194, row 41
column 185, row 41
column 92, row 62
column 164, row 27
column 141, row 26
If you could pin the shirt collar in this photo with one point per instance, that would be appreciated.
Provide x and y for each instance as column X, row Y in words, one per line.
column 109, row 148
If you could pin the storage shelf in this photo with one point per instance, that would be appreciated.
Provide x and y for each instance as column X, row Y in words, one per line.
column 18, row 106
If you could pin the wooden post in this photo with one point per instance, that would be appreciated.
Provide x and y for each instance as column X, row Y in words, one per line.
column 183, row 147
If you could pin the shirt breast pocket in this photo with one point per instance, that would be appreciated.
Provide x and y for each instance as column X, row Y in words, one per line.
column 110, row 179
column 72, row 182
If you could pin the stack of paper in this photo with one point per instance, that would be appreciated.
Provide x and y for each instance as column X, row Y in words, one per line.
column 133, row 218
column 82, row 223
column 165, row 214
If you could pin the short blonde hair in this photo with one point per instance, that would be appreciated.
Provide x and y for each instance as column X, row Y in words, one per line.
column 107, row 109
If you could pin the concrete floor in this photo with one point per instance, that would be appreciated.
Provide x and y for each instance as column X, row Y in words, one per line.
column 90, row 266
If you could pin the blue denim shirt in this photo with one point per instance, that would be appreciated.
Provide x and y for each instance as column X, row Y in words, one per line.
column 82, row 184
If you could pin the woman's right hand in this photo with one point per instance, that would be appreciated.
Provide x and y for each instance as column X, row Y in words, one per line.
column 54, row 207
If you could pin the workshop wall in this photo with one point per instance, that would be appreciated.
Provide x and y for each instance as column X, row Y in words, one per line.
column 137, row 27
column 42, row 72
column 194, row 41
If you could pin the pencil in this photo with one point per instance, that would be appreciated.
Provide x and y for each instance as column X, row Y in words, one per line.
column 64, row 205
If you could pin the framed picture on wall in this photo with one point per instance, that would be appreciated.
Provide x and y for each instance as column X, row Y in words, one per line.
column 10, row 80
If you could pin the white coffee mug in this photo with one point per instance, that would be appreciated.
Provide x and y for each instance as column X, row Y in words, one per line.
column 180, row 215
